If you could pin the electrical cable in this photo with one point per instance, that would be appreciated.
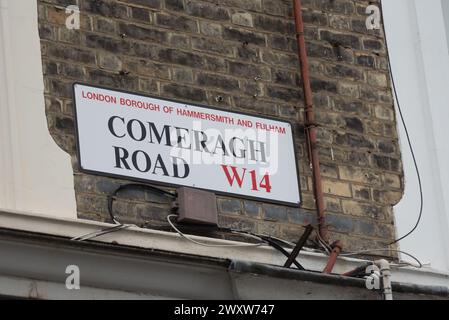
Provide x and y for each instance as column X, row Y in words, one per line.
column 252, row 235
column 211, row 245
column 406, row 133
column 275, row 243
column 271, row 241
column 323, row 243
column 349, row 254
column 325, row 247
column 258, row 236
column 120, row 226
column 134, row 185
column 404, row 265
column 96, row 234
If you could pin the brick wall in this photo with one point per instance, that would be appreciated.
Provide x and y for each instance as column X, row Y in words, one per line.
column 240, row 55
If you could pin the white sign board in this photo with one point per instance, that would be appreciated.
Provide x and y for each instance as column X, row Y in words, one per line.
column 161, row 141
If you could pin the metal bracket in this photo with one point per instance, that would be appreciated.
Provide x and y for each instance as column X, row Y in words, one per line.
column 302, row 241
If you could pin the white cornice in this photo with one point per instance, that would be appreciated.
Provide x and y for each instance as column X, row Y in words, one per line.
column 172, row 242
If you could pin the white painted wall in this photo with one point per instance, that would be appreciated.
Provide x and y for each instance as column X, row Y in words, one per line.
column 35, row 174
column 416, row 32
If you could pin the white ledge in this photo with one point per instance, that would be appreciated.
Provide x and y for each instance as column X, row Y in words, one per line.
column 172, row 242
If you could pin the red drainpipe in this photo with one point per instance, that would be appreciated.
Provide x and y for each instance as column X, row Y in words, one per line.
column 310, row 124
column 337, row 247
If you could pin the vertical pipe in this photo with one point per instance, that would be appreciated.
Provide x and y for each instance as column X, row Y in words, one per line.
column 385, row 273
column 310, row 125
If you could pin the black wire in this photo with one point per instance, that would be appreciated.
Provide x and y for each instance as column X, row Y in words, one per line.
column 275, row 243
column 111, row 196
column 269, row 240
column 406, row 133
column 134, row 185
column 272, row 242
